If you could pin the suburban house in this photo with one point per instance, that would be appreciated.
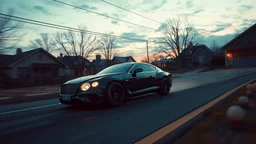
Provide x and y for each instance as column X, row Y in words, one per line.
column 199, row 55
column 163, row 63
column 76, row 66
column 241, row 51
column 119, row 59
column 31, row 67
column 100, row 64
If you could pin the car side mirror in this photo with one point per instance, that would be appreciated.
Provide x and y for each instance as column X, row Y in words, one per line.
column 138, row 70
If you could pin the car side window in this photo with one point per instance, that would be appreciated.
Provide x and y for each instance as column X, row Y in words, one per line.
column 144, row 67
column 138, row 66
column 151, row 68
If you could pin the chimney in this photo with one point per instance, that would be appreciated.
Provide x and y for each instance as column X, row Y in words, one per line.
column 98, row 57
column 61, row 55
column 190, row 44
column 18, row 51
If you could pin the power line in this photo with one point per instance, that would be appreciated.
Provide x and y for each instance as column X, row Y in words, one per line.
column 61, row 27
column 130, row 11
column 102, row 14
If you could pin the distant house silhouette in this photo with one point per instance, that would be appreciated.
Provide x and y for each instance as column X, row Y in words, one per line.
column 100, row 64
column 199, row 55
column 33, row 65
column 119, row 59
column 76, row 65
column 241, row 51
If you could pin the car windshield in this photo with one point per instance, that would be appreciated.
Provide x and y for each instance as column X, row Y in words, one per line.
column 119, row 68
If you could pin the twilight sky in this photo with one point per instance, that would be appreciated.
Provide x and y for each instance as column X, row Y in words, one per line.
column 214, row 19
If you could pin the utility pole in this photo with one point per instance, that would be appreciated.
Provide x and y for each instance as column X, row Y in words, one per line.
column 147, row 51
column 147, row 48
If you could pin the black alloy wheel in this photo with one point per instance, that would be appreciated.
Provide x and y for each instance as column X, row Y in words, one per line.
column 165, row 87
column 115, row 94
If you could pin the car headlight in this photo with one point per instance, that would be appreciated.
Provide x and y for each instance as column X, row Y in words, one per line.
column 85, row 86
column 95, row 84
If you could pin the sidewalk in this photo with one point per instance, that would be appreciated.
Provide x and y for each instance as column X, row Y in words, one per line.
column 17, row 95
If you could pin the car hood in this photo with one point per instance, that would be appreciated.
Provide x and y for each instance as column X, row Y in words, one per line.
column 89, row 78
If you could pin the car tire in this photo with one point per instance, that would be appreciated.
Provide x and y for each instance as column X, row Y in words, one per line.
column 165, row 87
column 115, row 93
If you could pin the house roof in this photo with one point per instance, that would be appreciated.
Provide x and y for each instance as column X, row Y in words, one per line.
column 123, row 59
column 10, row 60
column 244, row 40
column 71, row 61
column 191, row 51
column 102, row 62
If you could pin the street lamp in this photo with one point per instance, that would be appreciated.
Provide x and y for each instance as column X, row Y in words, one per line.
column 147, row 48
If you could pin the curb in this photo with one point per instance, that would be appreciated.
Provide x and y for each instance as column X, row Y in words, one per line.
column 180, row 131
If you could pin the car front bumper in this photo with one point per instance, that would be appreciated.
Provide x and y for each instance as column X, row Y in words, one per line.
column 91, row 96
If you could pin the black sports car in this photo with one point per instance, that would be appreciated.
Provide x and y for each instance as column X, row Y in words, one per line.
column 116, row 83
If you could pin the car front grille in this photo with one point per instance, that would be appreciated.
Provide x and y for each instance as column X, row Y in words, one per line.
column 68, row 89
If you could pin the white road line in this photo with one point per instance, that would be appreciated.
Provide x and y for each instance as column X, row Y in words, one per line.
column 26, row 109
column 88, row 118
column 3, row 98
column 38, row 94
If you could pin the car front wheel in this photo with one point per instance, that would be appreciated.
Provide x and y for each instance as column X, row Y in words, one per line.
column 165, row 87
column 115, row 94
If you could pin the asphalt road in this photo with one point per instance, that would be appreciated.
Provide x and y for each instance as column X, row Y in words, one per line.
column 50, row 122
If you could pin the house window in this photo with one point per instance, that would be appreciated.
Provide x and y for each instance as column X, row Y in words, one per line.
column 24, row 72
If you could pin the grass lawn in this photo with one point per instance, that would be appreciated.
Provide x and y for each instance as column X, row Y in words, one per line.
column 213, row 129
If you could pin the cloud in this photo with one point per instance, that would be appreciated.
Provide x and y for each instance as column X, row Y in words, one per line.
column 245, row 25
column 115, row 15
column 221, row 40
column 178, row 2
column 198, row 11
column 85, row 6
column 51, row 3
column 244, row 8
column 193, row 13
column 189, row 4
column 238, row 1
column 43, row 10
column 221, row 27
column 132, row 36
column 114, row 22
column 157, row 6
column 228, row 9
column 163, row 25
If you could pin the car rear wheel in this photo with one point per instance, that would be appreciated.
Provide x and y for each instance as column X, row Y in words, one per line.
column 165, row 87
column 115, row 94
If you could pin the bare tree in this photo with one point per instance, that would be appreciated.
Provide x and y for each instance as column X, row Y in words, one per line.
column 45, row 42
column 79, row 44
column 76, row 44
column 157, row 57
column 216, row 49
column 107, row 47
column 9, row 34
column 176, row 36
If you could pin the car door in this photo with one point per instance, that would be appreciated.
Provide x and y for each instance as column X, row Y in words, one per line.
column 137, row 83
column 151, row 73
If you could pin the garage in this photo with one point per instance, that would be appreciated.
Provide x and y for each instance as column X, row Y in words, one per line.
column 241, row 51
column 242, row 62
